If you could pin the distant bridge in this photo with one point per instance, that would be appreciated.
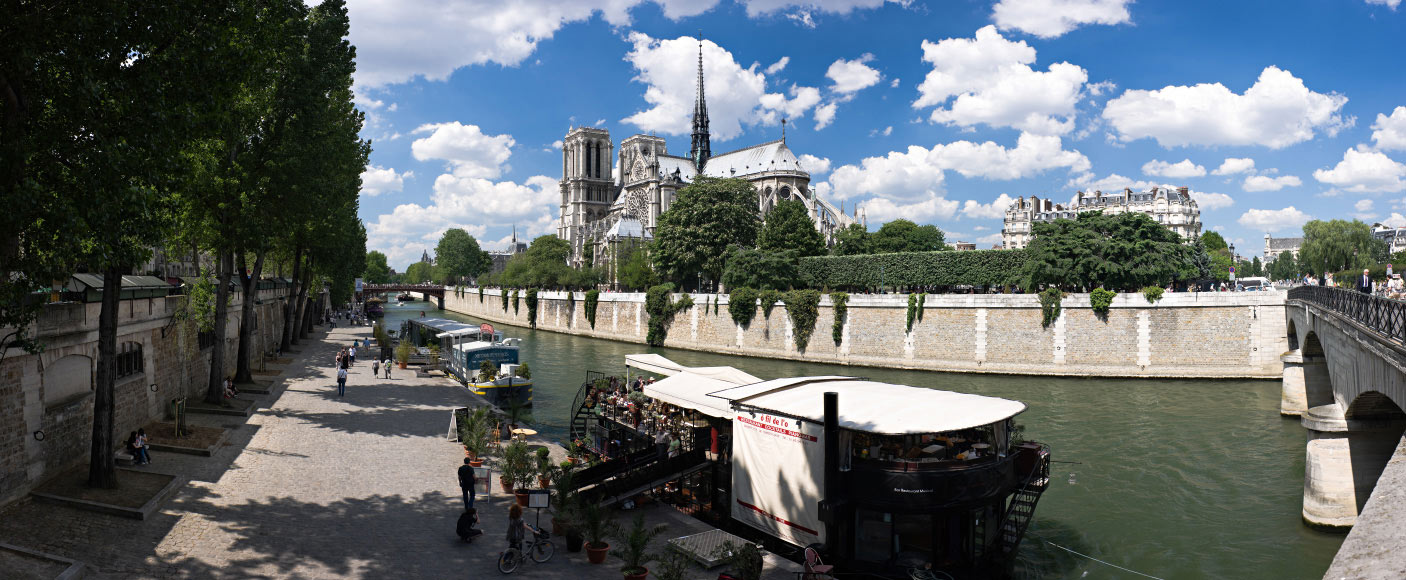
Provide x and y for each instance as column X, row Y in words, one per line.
column 1345, row 376
column 427, row 290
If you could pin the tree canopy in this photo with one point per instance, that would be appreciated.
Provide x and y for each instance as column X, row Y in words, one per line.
column 761, row 269
column 378, row 271
column 788, row 226
column 1123, row 252
column 706, row 217
column 419, row 272
column 852, row 240
column 458, row 256
column 1331, row 246
column 903, row 235
column 1284, row 267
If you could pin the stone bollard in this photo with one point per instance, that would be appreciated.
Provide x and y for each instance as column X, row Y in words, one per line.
column 1344, row 459
column 1306, row 383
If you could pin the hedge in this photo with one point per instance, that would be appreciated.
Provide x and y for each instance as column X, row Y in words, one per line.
column 914, row 269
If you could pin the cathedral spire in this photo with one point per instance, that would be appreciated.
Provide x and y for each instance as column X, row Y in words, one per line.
column 700, row 150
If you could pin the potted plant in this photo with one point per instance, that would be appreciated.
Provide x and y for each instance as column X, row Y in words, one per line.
column 545, row 469
column 596, row 524
column 474, row 432
column 487, row 371
column 518, row 413
column 566, row 509
column 515, row 468
column 745, row 560
column 673, row 565
column 402, row 353
column 634, row 547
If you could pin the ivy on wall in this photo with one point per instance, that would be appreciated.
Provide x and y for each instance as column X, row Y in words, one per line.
column 592, row 299
column 804, row 307
column 742, row 306
column 515, row 303
column 1049, row 305
column 1152, row 294
column 915, row 308
column 504, row 293
column 840, row 301
column 769, row 299
column 532, row 307
column 659, row 304
column 480, row 294
column 1101, row 300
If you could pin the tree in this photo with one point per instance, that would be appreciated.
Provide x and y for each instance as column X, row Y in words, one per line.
column 1284, row 267
column 761, row 269
column 636, row 272
column 707, row 217
column 419, row 272
column 377, row 270
column 853, row 240
column 1337, row 245
column 902, row 235
column 789, row 227
column 1213, row 241
column 458, row 256
column 1122, row 252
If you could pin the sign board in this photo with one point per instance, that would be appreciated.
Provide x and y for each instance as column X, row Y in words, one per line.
column 482, row 477
column 777, row 477
column 539, row 498
column 454, row 423
column 358, row 285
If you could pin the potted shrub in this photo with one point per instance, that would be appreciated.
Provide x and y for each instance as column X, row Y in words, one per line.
column 515, row 468
column 474, row 433
column 566, row 509
column 745, row 560
column 487, row 371
column 673, row 565
column 402, row 353
column 545, row 469
column 634, row 547
column 596, row 524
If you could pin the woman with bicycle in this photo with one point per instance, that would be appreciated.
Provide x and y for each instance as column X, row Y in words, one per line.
column 517, row 528
column 540, row 549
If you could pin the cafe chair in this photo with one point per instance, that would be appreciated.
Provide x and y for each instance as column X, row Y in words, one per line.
column 814, row 568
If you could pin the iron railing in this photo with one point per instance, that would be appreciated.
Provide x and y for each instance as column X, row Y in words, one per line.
column 1382, row 315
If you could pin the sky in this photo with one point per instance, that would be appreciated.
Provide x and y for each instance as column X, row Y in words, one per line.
column 1273, row 113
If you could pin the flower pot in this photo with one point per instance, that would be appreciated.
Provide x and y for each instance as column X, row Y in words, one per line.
column 544, row 483
column 643, row 572
column 596, row 555
column 522, row 496
column 574, row 540
column 401, row 364
column 506, row 485
column 475, row 463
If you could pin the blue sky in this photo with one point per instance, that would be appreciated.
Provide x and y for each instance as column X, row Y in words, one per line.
column 940, row 111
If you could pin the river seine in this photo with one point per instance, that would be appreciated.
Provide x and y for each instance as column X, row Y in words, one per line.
column 1170, row 479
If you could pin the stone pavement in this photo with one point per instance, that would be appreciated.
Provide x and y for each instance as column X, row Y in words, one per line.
column 315, row 486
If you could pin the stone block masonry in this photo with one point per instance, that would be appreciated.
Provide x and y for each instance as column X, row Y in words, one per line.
column 1184, row 335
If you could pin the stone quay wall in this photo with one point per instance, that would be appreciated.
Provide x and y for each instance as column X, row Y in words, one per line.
column 52, row 392
column 1184, row 335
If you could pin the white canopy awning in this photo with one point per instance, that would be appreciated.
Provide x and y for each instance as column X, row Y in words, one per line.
column 690, row 390
column 653, row 363
column 872, row 406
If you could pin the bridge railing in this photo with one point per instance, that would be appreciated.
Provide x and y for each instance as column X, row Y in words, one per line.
column 1383, row 315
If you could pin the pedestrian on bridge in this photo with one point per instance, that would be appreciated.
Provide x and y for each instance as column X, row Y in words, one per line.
column 1364, row 284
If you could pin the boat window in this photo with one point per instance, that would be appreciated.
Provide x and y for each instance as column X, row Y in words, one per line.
column 987, row 441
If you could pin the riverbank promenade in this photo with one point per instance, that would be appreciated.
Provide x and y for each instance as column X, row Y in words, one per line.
column 313, row 485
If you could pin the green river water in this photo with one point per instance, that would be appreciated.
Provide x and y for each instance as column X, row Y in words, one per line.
column 1174, row 479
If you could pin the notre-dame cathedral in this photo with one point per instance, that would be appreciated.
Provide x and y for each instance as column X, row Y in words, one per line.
column 599, row 210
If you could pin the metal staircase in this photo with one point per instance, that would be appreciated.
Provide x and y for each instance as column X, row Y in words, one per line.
column 1022, row 506
column 581, row 417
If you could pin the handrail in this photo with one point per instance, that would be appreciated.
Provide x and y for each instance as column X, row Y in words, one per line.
column 1382, row 315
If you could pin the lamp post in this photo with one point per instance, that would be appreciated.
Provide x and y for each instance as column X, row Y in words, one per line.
column 1232, row 266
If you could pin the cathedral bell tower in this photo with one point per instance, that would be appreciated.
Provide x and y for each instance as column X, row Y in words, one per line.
column 700, row 150
column 586, row 186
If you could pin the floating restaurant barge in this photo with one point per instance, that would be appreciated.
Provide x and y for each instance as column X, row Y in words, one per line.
column 880, row 478
column 464, row 347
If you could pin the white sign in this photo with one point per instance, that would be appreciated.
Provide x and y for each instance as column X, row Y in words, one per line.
column 358, row 285
column 778, row 475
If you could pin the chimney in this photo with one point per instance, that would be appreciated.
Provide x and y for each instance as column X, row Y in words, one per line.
column 1184, row 191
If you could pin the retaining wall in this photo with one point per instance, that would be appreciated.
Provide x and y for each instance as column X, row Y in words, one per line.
column 1184, row 335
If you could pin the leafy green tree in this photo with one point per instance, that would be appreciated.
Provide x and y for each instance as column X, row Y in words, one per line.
column 1126, row 251
column 1337, row 245
column 761, row 269
column 789, row 227
column 419, row 272
column 636, row 272
column 458, row 256
column 377, row 270
column 853, row 240
column 1213, row 241
column 1285, row 267
column 903, row 235
column 706, row 217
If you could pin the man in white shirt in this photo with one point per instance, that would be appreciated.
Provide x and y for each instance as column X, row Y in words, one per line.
column 342, row 382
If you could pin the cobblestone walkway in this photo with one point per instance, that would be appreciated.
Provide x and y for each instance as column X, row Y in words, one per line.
column 313, row 486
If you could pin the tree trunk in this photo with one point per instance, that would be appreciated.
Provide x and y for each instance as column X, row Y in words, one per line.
column 290, row 306
column 298, row 325
column 215, row 390
column 250, row 283
column 102, row 466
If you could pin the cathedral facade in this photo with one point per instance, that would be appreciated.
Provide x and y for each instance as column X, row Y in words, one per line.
column 600, row 211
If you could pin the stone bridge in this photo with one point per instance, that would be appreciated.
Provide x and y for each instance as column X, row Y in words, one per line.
column 428, row 290
column 1345, row 375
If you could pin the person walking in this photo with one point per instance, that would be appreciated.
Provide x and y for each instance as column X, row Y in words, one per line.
column 342, row 382
column 388, row 369
column 375, row 367
column 1364, row 283
column 466, row 484
column 352, row 360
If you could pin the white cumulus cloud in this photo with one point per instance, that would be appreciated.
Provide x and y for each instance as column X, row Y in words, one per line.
column 994, row 210
column 1267, row 183
column 814, row 165
column 1389, row 133
column 1050, row 18
column 918, row 171
column 1392, row 4
column 1234, row 165
column 1276, row 112
column 1363, row 170
column 1179, row 170
column 1089, row 182
column 778, row 66
column 1273, row 220
column 851, row 76
column 824, row 115
column 466, row 149
column 376, row 180
column 1208, row 200
column 927, row 208
column 988, row 80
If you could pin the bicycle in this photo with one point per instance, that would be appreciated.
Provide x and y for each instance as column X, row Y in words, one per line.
column 538, row 547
